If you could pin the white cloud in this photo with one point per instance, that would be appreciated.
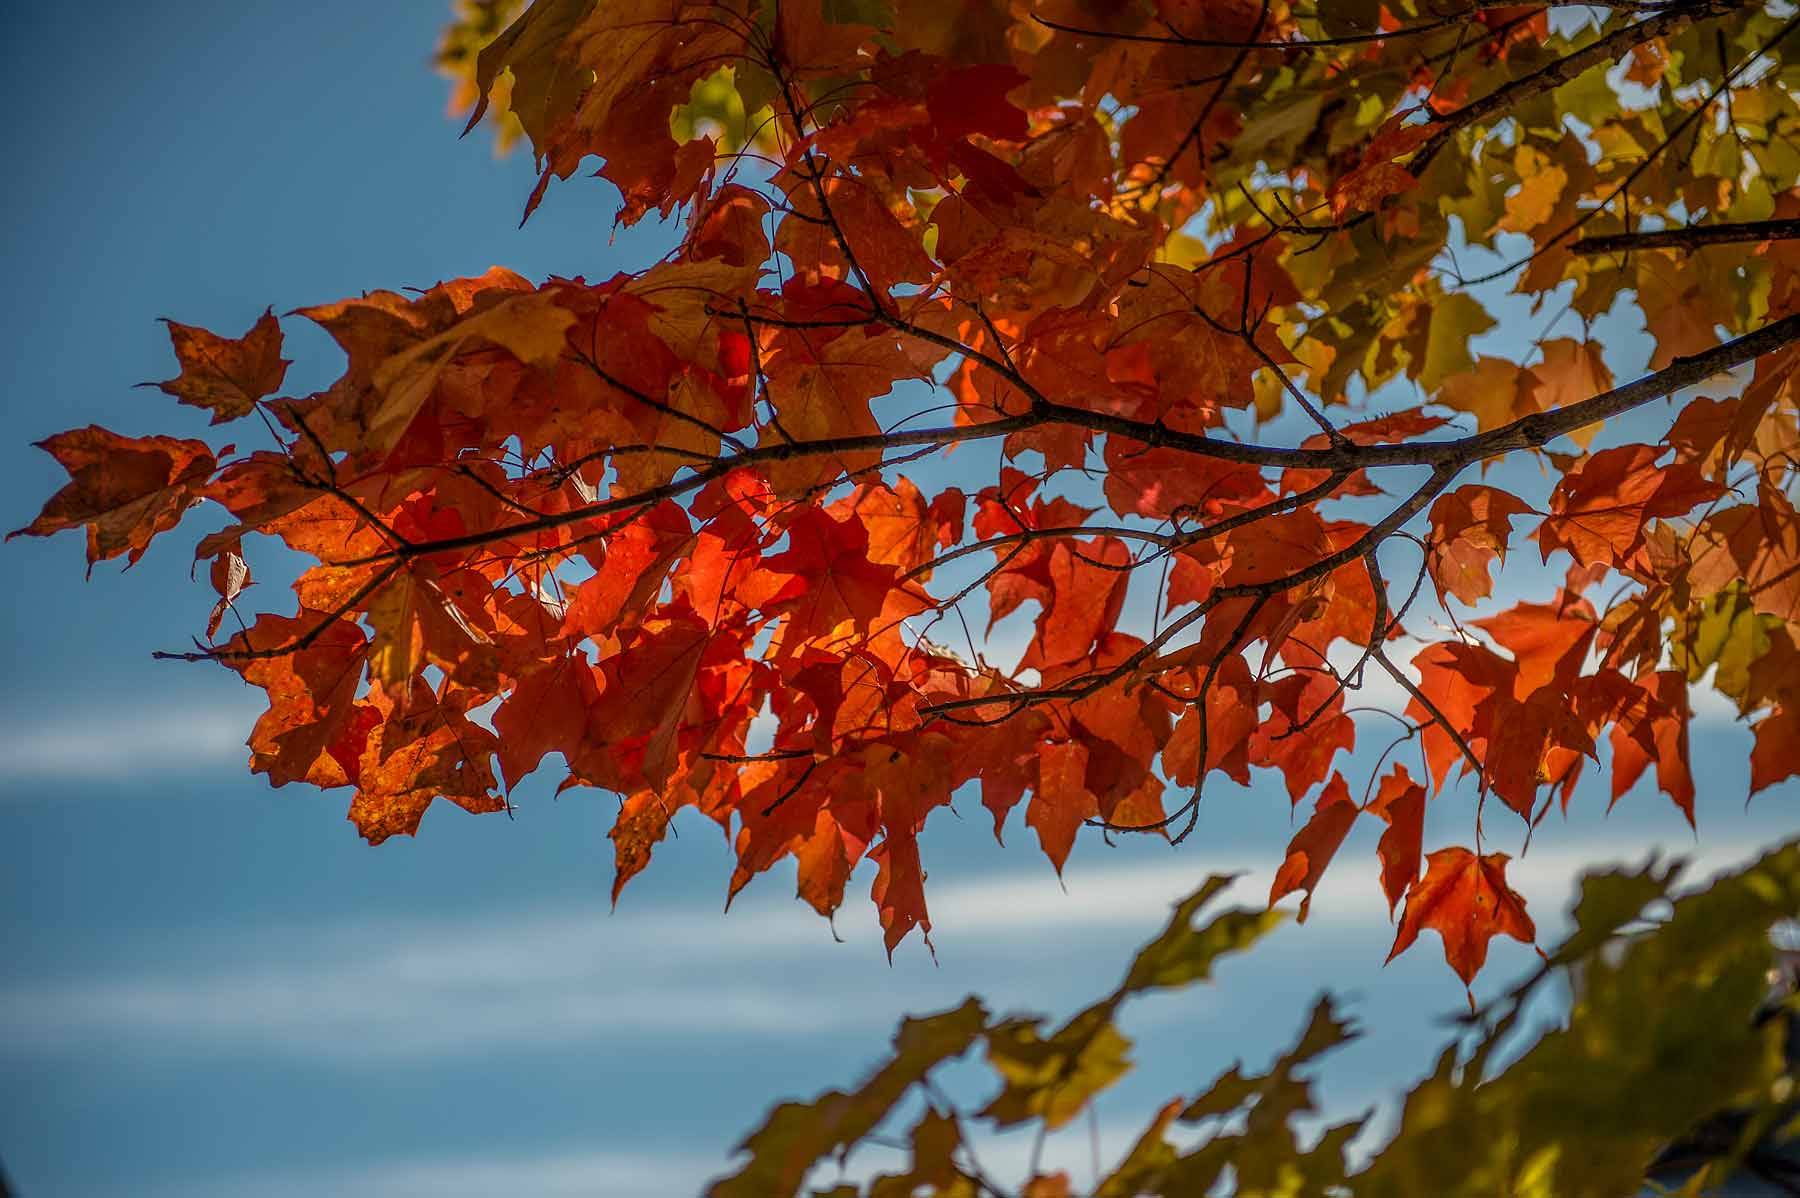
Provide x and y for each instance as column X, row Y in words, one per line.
column 417, row 989
column 628, row 1174
column 421, row 989
column 354, row 1013
column 125, row 742
column 393, row 990
column 564, row 1175
column 1139, row 896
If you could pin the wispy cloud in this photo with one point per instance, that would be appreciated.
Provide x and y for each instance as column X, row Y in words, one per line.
column 118, row 742
column 619, row 1173
column 379, row 988
column 1085, row 1151
column 386, row 990
column 616, row 1174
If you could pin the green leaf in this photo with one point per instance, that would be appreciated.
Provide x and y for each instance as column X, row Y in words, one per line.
column 1454, row 320
column 1727, row 635
column 1054, row 1079
column 1183, row 954
column 1609, row 901
column 935, row 1140
column 1149, row 1157
column 797, row 1135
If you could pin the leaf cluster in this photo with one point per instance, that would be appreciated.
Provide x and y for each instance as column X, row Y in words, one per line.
column 1179, row 285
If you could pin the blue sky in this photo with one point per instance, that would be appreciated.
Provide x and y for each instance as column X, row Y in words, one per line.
column 210, row 986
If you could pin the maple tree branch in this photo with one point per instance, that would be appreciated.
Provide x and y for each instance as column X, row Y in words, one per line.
column 1203, row 746
column 881, row 316
column 750, row 758
column 1246, row 333
column 1204, row 43
column 1003, row 368
column 816, row 180
column 1206, row 110
column 779, row 322
column 687, row 594
column 225, row 653
column 792, row 790
column 1382, row 625
column 1689, row 237
column 702, row 475
column 656, row 405
column 1441, row 475
column 1529, row 432
column 1537, row 430
column 1298, row 396
column 1547, row 78
column 1088, row 684
column 1237, row 520
column 464, row 470
column 1432, row 709
column 1258, row 592
column 1669, row 139
column 1027, row 535
column 1553, row 75
column 1622, row 188
column 331, row 484
column 1323, row 43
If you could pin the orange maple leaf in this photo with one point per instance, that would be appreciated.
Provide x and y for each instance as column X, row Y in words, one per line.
column 227, row 375
column 1466, row 900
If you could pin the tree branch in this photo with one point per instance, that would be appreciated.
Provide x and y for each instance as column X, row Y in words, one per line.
column 1690, row 237
column 1563, row 70
column 1539, row 429
column 1530, row 432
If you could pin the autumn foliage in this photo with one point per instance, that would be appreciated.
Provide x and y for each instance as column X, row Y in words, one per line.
column 1149, row 323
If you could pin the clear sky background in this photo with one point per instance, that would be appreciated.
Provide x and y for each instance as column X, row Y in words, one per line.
column 212, row 987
